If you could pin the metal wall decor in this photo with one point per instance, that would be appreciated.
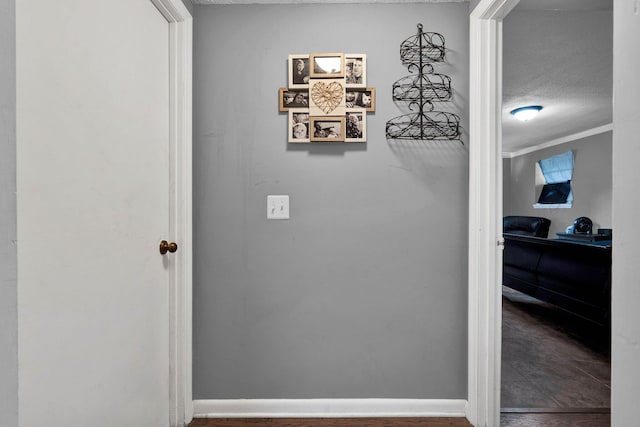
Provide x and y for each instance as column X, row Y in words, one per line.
column 420, row 90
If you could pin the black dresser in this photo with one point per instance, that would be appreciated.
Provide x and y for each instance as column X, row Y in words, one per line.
column 574, row 275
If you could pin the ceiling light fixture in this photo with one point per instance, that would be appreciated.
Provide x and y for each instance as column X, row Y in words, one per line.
column 526, row 113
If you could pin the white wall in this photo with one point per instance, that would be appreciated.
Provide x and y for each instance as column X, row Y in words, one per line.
column 363, row 293
column 8, row 280
column 591, row 184
column 625, row 355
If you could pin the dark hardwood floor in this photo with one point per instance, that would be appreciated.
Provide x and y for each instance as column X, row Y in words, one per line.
column 510, row 420
column 555, row 420
column 555, row 372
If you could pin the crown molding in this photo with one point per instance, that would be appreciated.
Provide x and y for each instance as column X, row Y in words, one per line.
column 573, row 137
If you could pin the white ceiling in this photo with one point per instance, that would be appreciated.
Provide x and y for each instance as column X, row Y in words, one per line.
column 558, row 54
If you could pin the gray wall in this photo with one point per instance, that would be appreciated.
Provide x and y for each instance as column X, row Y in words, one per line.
column 473, row 4
column 625, row 323
column 8, row 281
column 189, row 5
column 591, row 184
column 363, row 292
column 506, row 185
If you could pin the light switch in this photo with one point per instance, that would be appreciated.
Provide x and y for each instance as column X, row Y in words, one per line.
column 277, row 207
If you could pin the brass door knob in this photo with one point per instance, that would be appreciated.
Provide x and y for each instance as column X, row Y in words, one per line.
column 168, row 247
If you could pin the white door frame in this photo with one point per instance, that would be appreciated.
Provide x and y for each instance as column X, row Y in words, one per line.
column 180, row 228
column 485, row 211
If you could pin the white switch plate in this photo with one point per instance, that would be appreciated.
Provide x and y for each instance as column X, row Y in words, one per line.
column 277, row 207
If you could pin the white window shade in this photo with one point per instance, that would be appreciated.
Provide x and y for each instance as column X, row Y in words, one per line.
column 557, row 168
column 558, row 173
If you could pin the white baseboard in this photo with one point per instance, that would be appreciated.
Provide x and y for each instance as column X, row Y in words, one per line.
column 318, row 408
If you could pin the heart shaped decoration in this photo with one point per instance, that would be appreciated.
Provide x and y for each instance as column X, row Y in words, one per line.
column 327, row 96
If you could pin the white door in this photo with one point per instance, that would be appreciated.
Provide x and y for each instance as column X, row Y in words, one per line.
column 93, row 204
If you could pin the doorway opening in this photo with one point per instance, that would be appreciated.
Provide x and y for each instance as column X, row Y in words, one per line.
column 486, row 211
column 555, row 361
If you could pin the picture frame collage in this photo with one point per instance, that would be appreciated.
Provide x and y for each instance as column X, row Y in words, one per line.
column 327, row 98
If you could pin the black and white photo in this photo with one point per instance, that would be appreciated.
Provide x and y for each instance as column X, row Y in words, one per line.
column 326, row 65
column 299, row 125
column 356, row 125
column 356, row 70
column 293, row 98
column 298, row 71
column 361, row 98
column 327, row 129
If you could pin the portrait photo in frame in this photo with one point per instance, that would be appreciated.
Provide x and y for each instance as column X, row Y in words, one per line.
column 326, row 65
column 299, row 125
column 361, row 98
column 327, row 129
column 293, row 98
column 355, row 70
column 356, row 125
column 299, row 71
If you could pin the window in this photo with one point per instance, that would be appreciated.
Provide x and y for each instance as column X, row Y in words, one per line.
column 555, row 174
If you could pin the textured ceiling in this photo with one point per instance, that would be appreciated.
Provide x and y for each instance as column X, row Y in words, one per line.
column 557, row 54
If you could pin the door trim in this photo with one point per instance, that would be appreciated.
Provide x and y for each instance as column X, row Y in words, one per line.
column 180, row 227
column 485, row 211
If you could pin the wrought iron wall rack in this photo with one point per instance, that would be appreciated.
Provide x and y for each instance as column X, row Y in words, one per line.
column 420, row 90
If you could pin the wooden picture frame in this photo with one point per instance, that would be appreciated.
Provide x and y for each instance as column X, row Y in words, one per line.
column 355, row 65
column 299, row 125
column 327, row 98
column 327, row 129
column 356, row 125
column 326, row 65
column 299, row 71
column 361, row 98
column 292, row 98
